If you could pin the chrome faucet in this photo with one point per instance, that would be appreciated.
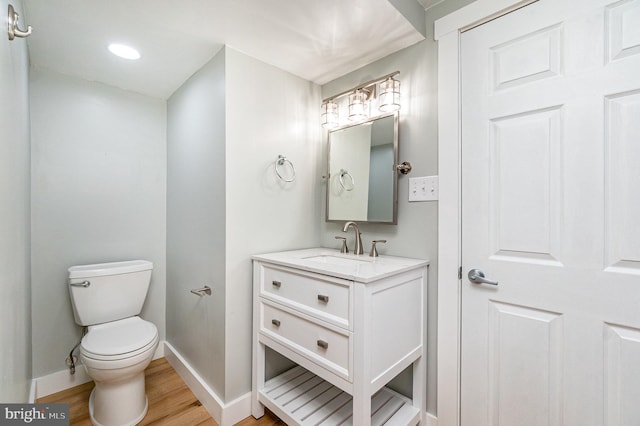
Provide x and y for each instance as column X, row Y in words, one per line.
column 358, row 247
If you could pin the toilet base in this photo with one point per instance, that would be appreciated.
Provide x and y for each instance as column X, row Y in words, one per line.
column 118, row 404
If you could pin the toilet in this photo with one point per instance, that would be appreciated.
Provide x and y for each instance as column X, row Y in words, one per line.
column 118, row 345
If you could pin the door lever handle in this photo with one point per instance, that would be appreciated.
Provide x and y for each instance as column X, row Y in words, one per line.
column 476, row 276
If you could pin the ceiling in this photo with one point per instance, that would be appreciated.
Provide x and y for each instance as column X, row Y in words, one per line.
column 429, row 3
column 316, row 40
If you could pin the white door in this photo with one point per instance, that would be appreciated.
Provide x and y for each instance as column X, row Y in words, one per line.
column 551, row 211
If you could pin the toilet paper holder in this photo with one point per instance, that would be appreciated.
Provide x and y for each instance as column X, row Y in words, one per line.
column 202, row 291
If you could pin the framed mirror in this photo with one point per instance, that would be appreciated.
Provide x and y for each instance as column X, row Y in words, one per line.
column 362, row 182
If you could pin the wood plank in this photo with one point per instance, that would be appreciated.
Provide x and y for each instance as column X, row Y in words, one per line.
column 295, row 404
column 317, row 403
column 283, row 378
column 303, row 388
column 291, row 385
column 313, row 401
column 340, row 416
column 269, row 419
column 407, row 415
column 391, row 407
column 171, row 402
column 325, row 412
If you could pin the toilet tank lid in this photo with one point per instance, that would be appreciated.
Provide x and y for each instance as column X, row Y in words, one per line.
column 112, row 268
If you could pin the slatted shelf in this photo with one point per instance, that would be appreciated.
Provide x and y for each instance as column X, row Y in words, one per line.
column 300, row 397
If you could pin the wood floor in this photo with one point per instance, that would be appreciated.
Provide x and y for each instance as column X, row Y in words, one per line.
column 171, row 402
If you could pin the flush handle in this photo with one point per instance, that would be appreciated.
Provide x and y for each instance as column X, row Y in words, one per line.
column 84, row 284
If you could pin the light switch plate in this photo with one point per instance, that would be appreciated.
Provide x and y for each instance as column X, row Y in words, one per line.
column 423, row 188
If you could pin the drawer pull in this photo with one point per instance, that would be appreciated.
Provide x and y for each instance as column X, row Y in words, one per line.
column 322, row 344
column 276, row 284
column 275, row 322
column 323, row 298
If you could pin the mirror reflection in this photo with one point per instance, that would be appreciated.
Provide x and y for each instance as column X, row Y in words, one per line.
column 362, row 181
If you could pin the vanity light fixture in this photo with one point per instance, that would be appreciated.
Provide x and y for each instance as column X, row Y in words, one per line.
column 330, row 114
column 389, row 99
column 385, row 90
column 358, row 105
column 124, row 51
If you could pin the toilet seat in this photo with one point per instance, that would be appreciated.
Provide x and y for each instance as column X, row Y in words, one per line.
column 120, row 339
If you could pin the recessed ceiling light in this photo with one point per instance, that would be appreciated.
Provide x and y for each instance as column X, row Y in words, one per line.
column 124, row 51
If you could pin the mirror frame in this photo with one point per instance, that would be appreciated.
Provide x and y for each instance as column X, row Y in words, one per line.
column 396, row 126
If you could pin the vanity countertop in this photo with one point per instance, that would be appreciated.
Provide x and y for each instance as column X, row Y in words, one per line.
column 360, row 268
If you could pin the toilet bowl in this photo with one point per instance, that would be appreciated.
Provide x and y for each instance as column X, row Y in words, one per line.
column 118, row 345
column 115, row 355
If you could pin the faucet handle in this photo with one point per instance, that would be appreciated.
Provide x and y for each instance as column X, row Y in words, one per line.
column 374, row 250
column 344, row 248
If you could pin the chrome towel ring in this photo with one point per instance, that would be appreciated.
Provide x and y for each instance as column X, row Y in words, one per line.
column 346, row 187
column 281, row 161
column 14, row 31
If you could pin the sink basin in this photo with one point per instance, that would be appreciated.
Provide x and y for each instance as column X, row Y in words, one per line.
column 335, row 260
column 361, row 268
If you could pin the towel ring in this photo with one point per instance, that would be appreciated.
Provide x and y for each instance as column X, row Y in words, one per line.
column 343, row 172
column 282, row 160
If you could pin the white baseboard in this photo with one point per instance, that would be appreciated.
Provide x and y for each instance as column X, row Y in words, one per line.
column 236, row 410
column 32, row 392
column 62, row 380
column 432, row 420
column 224, row 414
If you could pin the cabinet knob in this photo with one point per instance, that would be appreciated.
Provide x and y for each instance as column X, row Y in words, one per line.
column 323, row 344
column 275, row 322
column 276, row 284
column 323, row 298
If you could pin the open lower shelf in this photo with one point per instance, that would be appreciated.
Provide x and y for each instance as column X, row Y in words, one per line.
column 299, row 397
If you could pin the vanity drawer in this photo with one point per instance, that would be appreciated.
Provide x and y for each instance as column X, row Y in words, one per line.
column 323, row 344
column 320, row 296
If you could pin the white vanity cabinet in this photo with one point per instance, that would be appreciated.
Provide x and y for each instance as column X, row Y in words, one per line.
column 351, row 324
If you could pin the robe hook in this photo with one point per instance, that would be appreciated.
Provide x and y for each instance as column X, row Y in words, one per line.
column 14, row 31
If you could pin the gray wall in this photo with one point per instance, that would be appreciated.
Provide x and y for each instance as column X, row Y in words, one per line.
column 15, row 291
column 196, row 221
column 226, row 126
column 98, row 195
column 269, row 112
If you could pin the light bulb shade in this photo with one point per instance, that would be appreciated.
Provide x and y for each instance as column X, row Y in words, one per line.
column 358, row 106
column 329, row 114
column 389, row 99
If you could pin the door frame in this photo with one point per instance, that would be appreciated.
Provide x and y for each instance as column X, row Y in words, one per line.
column 447, row 33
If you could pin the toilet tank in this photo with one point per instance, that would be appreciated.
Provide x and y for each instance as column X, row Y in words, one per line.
column 108, row 291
